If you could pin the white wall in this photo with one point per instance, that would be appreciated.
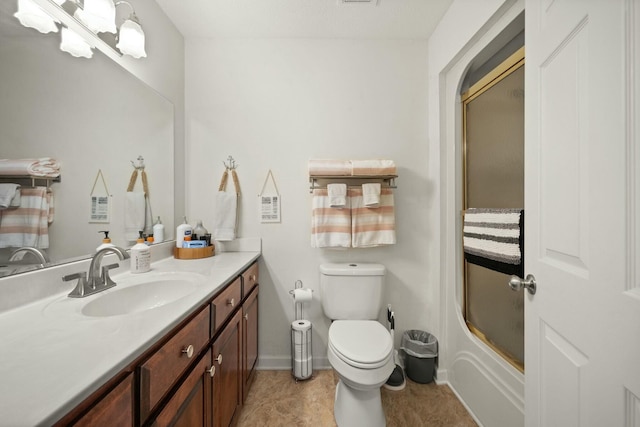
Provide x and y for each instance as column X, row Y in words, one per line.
column 274, row 104
column 491, row 388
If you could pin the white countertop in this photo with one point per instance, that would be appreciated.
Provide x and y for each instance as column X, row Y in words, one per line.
column 52, row 358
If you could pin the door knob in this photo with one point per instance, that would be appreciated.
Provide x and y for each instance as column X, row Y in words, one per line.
column 529, row 283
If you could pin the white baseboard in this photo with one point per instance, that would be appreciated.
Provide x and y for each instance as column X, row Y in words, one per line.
column 274, row 363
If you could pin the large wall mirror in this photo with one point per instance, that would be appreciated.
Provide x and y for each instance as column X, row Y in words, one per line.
column 91, row 115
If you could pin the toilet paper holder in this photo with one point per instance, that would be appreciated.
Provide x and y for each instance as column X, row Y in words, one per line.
column 300, row 297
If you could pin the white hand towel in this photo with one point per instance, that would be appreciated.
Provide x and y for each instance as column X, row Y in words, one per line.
column 7, row 193
column 225, row 216
column 134, row 214
column 337, row 195
column 371, row 195
column 15, row 202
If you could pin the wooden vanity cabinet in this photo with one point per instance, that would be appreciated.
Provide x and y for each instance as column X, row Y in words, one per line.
column 165, row 366
column 227, row 359
column 113, row 409
column 198, row 375
column 249, row 340
column 190, row 405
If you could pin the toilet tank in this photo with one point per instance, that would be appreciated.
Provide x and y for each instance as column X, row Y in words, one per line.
column 351, row 291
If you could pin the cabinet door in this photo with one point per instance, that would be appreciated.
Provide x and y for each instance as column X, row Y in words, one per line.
column 114, row 409
column 227, row 358
column 190, row 405
column 249, row 340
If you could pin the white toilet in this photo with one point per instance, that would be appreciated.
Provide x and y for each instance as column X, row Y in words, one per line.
column 360, row 348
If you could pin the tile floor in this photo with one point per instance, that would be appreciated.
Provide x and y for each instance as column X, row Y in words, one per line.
column 277, row 400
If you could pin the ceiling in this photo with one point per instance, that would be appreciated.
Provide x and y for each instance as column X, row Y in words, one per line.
column 375, row 19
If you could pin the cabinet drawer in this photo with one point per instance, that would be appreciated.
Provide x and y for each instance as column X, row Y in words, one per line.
column 225, row 303
column 249, row 279
column 164, row 367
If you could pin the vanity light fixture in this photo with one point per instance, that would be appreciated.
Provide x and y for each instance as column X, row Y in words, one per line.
column 73, row 43
column 31, row 15
column 131, row 37
column 98, row 15
column 80, row 35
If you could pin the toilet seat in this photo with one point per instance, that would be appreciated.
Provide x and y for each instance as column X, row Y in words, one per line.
column 364, row 344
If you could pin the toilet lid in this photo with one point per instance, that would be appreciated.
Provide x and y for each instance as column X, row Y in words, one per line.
column 361, row 343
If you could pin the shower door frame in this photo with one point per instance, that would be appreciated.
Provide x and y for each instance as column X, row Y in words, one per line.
column 493, row 77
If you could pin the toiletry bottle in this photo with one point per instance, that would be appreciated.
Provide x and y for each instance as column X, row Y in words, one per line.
column 158, row 231
column 183, row 229
column 140, row 256
column 199, row 231
column 106, row 242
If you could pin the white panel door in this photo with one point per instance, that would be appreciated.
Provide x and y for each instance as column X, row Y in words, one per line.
column 582, row 333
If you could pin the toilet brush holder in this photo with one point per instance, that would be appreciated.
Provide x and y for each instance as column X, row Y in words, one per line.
column 301, row 349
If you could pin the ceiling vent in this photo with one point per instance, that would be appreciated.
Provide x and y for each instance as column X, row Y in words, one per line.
column 370, row 2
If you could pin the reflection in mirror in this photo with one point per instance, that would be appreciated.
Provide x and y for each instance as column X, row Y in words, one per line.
column 90, row 115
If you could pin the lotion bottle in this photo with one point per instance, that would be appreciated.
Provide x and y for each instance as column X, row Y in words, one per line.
column 106, row 242
column 158, row 231
column 183, row 230
column 140, row 256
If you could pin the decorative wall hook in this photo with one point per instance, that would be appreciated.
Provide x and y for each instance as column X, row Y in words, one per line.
column 230, row 164
column 138, row 164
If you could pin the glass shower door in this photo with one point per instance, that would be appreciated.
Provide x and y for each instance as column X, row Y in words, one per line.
column 493, row 120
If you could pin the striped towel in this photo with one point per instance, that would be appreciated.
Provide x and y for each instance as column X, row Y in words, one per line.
column 372, row 226
column 44, row 167
column 324, row 167
column 373, row 167
column 27, row 225
column 494, row 239
column 330, row 227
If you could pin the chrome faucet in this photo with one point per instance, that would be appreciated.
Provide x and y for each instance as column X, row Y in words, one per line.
column 98, row 279
column 19, row 253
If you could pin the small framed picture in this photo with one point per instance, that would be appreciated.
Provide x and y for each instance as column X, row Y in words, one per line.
column 269, row 208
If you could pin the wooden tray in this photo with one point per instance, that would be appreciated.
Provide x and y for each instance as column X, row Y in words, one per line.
column 194, row 253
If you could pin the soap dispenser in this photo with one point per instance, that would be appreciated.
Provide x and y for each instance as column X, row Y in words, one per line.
column 106, row 242
column 140, row 256
column 158, row 231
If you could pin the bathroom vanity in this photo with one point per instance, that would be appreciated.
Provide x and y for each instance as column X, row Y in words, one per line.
column 175, row 346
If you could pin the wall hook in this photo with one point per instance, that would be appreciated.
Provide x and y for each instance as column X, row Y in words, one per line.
column 138, row 164
column 230, row 164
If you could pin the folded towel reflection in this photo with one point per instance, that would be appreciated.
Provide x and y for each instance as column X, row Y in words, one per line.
column 494, row 239
column 337, row 195
column 43, row 167
column 371, row 195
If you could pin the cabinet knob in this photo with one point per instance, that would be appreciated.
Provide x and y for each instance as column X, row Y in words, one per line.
column 212, row 371
column 188, row 351
column 246, row 316
column 231, row 302
column 253, row 277
column 219, row 359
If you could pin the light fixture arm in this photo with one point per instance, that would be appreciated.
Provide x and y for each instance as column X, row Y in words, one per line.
column 133, row 15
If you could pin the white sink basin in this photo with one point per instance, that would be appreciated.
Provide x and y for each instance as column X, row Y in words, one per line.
column 136, row 298
column 132, row 294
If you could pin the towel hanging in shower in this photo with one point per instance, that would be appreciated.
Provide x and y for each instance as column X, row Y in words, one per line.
column 494, row 239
